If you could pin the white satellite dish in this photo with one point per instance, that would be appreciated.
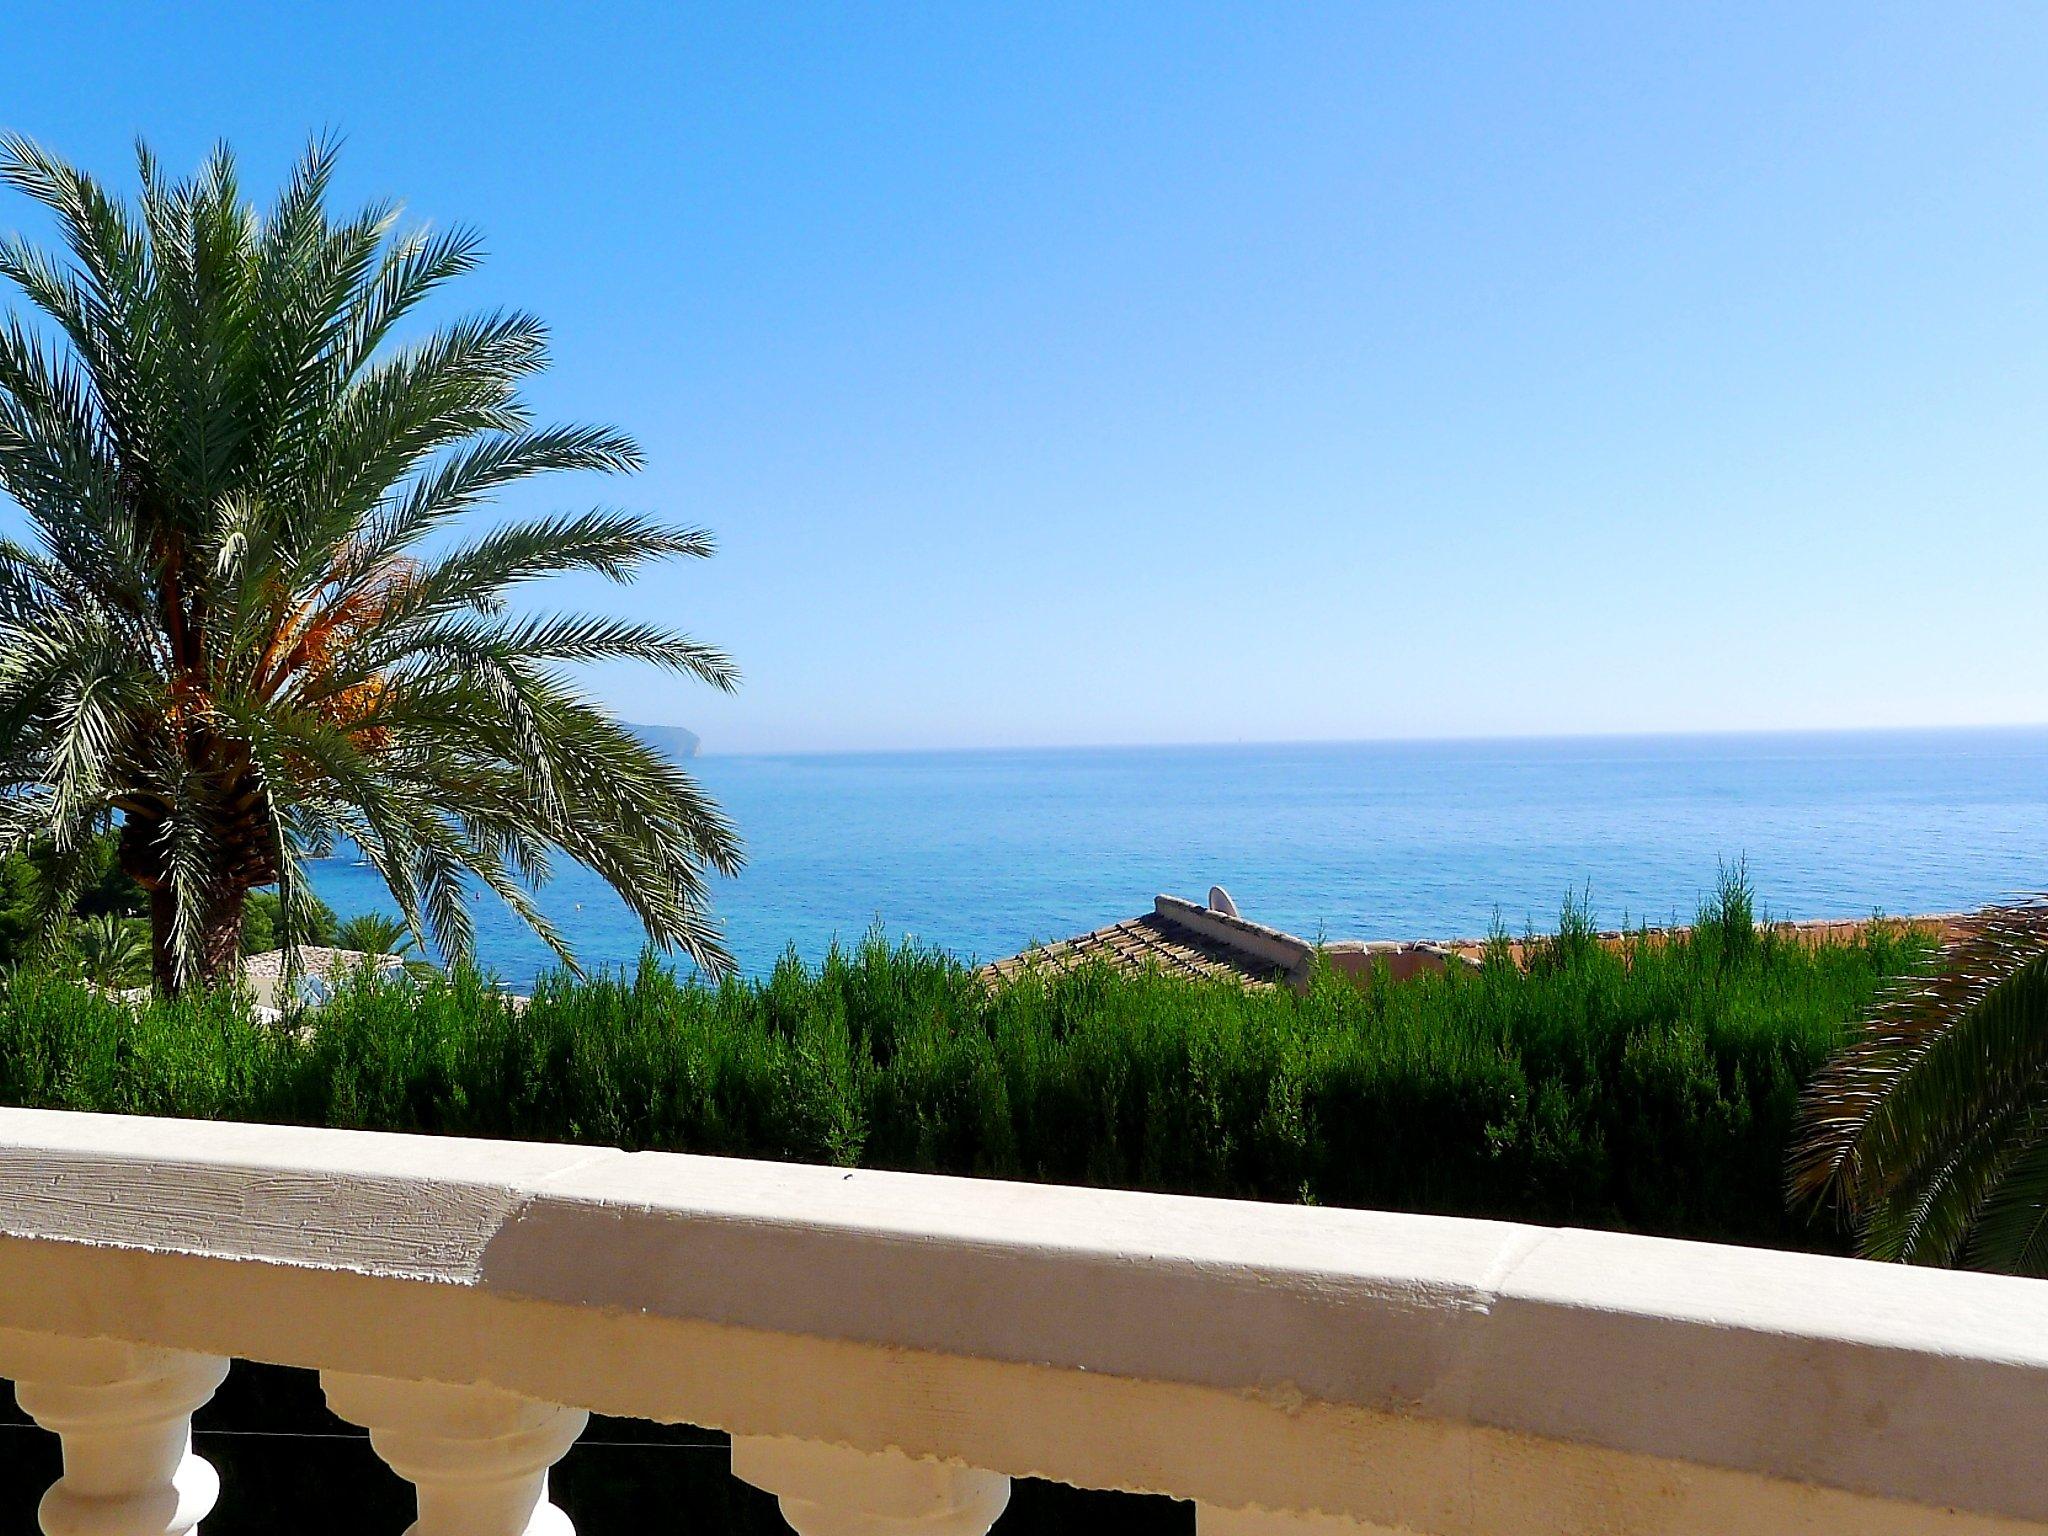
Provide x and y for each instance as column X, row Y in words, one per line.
column 1219, row 901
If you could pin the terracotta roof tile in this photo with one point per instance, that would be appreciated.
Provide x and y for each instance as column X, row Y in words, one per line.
column 1150, row 942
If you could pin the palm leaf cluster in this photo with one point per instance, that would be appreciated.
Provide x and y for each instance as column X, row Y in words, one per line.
column 108, row 952
column 1931, row 1130
column 245, row 621
column 373, row 933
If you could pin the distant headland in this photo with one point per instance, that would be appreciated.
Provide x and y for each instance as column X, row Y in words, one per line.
column 672, row 739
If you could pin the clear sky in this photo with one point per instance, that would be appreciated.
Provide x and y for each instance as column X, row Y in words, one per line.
column 1201, row 373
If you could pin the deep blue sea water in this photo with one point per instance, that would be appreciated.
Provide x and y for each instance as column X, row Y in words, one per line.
column 983, row 852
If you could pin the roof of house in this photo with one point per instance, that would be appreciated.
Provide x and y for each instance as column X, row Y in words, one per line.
column 1176, row 937
column 313, row 960
column 263, row 974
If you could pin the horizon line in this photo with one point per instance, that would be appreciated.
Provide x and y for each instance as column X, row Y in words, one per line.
column 1474, row 739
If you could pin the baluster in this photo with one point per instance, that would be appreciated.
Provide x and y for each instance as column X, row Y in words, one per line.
column 478, row 1457
column 828, row 1490
column 123, row 1413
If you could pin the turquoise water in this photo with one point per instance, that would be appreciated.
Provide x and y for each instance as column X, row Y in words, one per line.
column 984, row 851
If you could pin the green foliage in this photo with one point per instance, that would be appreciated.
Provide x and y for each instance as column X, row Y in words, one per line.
column 26, row 891
column 263, row 923
column 104, row 888
column 20, row 909
column 1647, row 1085
column 1729, row 918
column 1930, row 1132
column 375, row 933
column 108, row 951
column 34, row 900
column 242, row 619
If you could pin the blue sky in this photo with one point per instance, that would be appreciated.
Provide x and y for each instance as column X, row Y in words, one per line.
column 1207, row 373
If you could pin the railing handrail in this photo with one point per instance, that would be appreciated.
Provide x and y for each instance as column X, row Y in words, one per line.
column 1383, row 1366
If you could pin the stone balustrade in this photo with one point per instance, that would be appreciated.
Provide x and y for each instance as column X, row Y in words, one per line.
column 889, row 1350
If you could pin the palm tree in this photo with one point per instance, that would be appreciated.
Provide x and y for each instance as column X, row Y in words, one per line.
column 1930, row 1132
column 374, row 933
column 226, row 630
column 108, row 952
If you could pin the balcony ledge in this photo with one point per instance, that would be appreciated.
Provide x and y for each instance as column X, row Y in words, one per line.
column 1443, row 1375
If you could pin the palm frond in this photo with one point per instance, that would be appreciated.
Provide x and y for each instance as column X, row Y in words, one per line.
column 1928, row 1131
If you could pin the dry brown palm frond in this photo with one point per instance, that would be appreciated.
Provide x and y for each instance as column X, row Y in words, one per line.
column 1924, row 1125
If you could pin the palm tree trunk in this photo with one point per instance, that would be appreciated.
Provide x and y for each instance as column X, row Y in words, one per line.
column 163, row 960
column 220, row 942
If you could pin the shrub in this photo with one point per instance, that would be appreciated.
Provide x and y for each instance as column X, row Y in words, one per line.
column 1646, row 1084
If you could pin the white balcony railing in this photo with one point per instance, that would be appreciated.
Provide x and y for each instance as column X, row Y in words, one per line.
column 889, row 1350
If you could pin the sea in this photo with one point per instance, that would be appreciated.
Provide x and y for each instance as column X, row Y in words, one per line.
column 984, row 852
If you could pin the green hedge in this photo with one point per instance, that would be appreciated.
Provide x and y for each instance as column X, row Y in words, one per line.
column 1647, row 1087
